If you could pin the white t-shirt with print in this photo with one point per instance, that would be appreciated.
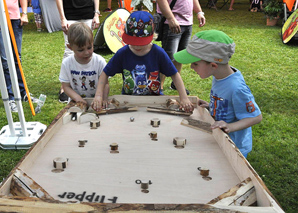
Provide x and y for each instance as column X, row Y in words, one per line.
column 83, row 78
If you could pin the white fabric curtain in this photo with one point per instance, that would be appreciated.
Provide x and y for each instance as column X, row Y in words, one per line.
column 50, row 15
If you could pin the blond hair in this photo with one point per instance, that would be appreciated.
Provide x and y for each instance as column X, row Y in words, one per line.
column 79, row 34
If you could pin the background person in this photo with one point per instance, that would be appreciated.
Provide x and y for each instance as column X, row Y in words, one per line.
column 17, row 22
column 72, row 11
column 37, row 14
column 231, row 5
column 109, row 6
column 177, row 30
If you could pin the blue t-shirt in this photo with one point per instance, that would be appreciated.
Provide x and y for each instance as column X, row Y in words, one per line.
column 36, row 6
column 231, row 100
column 140, row 74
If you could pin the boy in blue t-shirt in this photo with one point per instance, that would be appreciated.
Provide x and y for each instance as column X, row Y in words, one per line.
column 232, row 104
column 140, row 63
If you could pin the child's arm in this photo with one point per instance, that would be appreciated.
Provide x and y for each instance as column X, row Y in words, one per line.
column 184, row 101
column 238, row 125
column 106, row 95
column 99, row 95
column 71, row 93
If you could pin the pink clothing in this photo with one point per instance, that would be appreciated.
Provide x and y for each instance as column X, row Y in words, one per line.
column 183, row 11
column 13, row 9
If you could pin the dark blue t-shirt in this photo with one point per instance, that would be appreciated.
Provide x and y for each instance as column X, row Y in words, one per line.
column 141, row 73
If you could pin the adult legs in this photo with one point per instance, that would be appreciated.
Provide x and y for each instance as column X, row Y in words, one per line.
column 18, row 32
column 38, row 21
column 109, row 6
column 173, row 43
column 231, row 5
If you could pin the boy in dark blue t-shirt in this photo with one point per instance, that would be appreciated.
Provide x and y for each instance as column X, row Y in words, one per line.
column 140, row 63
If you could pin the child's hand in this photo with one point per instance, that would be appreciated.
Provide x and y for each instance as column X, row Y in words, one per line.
column 105, row 104
column 186, row 105
column 203, row 103
column 222, row 125
column 84, row 101
column 97, row 103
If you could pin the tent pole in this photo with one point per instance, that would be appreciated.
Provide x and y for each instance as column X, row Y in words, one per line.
column 5, row 99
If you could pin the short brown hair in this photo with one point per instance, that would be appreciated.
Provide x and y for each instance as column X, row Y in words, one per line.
column 79, row 34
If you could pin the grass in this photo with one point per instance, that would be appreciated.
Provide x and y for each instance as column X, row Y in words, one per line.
column 269, row 68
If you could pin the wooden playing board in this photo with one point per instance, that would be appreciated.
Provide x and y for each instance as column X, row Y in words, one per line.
column 96, row 174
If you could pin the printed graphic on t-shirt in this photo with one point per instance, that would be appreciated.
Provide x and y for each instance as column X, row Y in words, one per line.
column 83, row 82
column 250, row 107
column 218, row 107
column 128, row 82
column 138, row 82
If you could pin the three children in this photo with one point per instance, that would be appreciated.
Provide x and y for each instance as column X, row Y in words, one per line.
column 232, row 104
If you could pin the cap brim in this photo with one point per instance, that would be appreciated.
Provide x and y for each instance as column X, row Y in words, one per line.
column 137, row 41
column 184, row 57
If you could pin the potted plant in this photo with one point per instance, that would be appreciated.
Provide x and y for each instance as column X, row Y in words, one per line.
column 272, row 10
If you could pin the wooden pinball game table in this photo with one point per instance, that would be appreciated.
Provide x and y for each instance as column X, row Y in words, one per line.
column 142, row 153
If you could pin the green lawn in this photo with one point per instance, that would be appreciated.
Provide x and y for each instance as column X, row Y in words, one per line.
column 269, row 68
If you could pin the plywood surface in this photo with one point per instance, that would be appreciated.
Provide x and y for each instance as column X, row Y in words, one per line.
column 93, row 170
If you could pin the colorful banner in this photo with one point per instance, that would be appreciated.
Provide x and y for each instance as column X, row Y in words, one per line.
column 290, row 27
column 113, row 29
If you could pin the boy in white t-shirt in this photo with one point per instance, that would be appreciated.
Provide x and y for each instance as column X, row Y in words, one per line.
column 80, row 72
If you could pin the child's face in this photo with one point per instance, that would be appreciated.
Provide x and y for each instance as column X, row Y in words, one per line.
column 202, row 68
column 140, row 50
column 83, row 54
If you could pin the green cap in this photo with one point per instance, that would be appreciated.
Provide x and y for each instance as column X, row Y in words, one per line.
column 210, row 45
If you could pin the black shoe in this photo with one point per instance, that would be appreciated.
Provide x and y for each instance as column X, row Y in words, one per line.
column 187, row 92
column 63, row 98
column 174, row 88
